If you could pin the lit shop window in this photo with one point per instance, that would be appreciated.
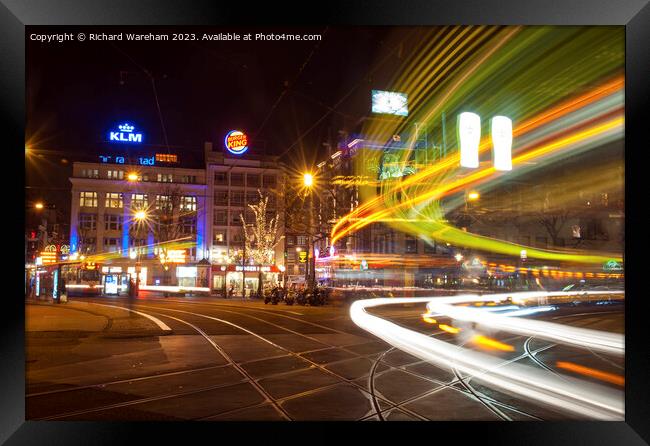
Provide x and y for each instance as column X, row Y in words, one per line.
column 165, row 177
column 88, row 199
column 219, row 236
column 114, row 200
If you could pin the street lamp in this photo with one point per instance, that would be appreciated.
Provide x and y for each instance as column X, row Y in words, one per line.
column 140, row 216
column 473, row 196
column 132, row 176
column 39, row 205
column 458, row 257
column 308, row 179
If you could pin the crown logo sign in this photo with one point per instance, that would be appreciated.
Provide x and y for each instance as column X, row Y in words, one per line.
column 126, row 127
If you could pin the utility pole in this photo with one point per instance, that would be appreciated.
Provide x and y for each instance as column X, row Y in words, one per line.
column 243, row 270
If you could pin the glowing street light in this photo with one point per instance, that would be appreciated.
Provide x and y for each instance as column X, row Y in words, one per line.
column 140, row 215
column 458, row 257
column 39, row 205
column 473, row 196
column 308, row 180
column 132, row 176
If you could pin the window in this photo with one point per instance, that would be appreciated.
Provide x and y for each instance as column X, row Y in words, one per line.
column 236, row 179
column 188, row 225
column 164, row 177
column 88, row 199
column 301, row 240
column 188, row 204
column 252, row 198
column 163, row 202
column 139, row 201
column 235, row 218
column 237, row 237
column 237, row 199
column 114, row 200
column 115, row 174
column 249, row 216
column 90, row 173
column 291, row 240
column 221, row 178
column 219, row 236
column 220, row 217
column 252, row 180
column 188, row 179
column 112, row 244
column 113, row 222
column 269, row 181
column 221, row 198
column 410, row 244
column 430, row 248
column 88, row 221
column 133, row 242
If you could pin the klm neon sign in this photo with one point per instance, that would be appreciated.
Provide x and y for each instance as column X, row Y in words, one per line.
column 125, row 134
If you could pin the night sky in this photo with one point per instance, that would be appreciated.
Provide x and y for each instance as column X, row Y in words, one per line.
column 78, row 91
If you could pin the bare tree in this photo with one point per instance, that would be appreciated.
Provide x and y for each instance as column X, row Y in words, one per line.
column 261, row 236
column 167, row 222
column 87, row 243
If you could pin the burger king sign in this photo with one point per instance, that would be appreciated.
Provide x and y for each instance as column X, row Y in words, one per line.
column 236, row 142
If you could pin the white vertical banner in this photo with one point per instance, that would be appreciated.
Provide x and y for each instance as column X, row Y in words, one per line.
column 502, row 142
column 469, row 135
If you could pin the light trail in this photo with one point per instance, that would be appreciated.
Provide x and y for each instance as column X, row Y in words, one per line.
column 588, row 371
column 554, row 113
column 566, row 393
column 612, row 343
column 453, row 186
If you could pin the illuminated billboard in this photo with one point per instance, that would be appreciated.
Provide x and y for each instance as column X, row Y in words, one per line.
column 389, row 102
column 125, row 133
column 236, row 142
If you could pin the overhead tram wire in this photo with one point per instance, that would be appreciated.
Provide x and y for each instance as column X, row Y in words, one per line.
column 287, row 87
column 379, row 65
column 155, row 93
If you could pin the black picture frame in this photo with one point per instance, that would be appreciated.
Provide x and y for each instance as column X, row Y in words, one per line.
column 15, row 15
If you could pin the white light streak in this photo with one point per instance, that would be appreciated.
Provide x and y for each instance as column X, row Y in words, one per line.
column 584, row 398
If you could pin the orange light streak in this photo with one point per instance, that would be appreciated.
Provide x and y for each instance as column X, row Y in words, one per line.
column 587, row 371
column 492, row 344
column 556, row 112
column 448, row 328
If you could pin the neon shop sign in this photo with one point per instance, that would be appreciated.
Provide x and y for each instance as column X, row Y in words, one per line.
column 236, row 142
column 142, row 160
column 125, row 133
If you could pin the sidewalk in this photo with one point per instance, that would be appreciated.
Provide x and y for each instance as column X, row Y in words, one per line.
column 60, row 317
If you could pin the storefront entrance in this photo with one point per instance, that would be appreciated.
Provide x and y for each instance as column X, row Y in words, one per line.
column 116, row 284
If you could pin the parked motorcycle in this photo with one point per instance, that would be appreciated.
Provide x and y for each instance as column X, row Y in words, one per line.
column 289, row 297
